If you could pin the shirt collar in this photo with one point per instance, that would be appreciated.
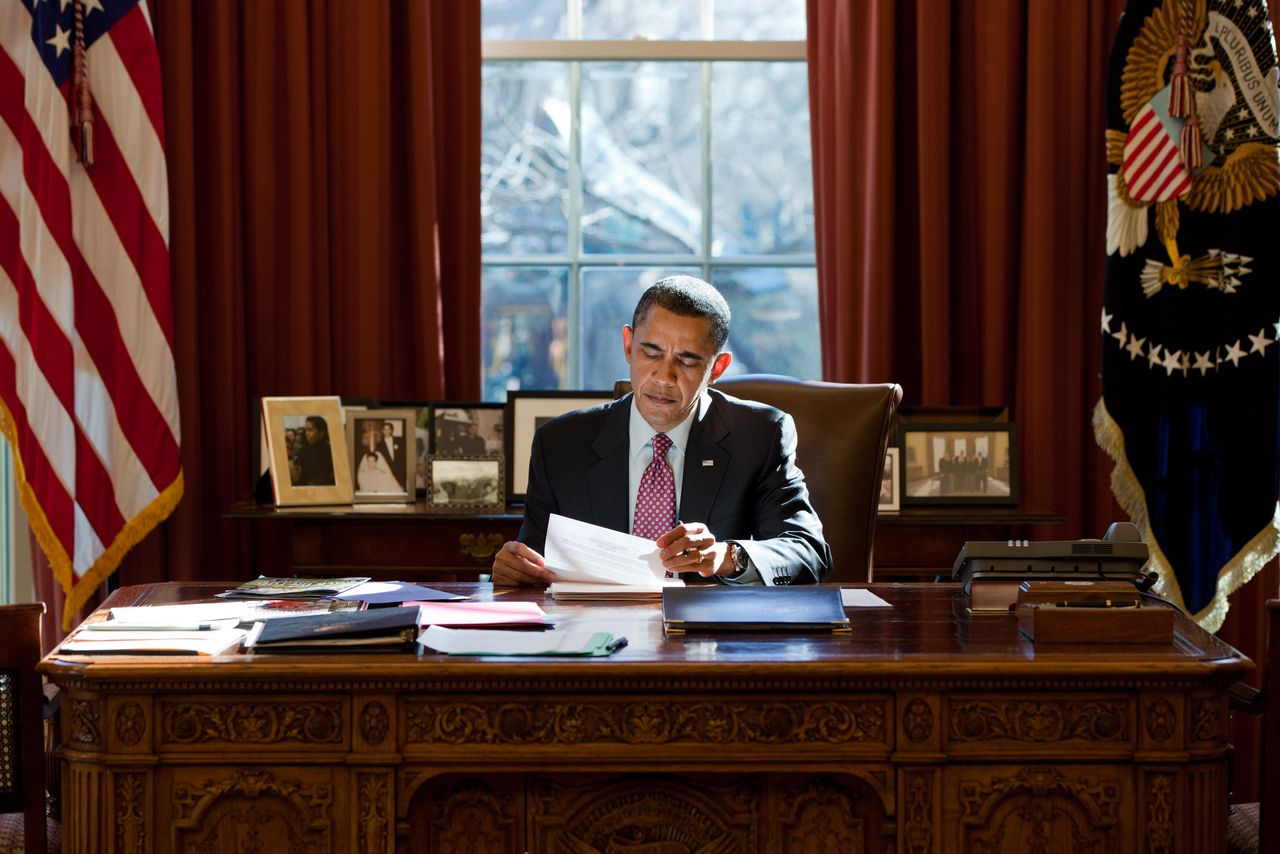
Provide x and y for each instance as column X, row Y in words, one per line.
column 640, row 433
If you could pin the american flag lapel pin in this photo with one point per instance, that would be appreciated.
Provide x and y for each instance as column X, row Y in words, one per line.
column 707, row 463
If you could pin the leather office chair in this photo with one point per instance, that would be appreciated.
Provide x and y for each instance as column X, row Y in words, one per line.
column 22, row 761
column 842, row 432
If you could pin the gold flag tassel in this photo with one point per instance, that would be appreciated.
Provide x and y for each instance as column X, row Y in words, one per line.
column 1180, row 100
column 82, row 110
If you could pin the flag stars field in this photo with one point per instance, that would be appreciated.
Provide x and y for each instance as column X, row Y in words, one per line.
column 1159, row 356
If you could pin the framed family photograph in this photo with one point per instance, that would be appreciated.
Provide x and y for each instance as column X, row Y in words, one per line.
column 468, row 429
column 951, row 463
column 890, row 483
column 528, row 410
column 307, row 449
column 383, row 459
column 465, row 484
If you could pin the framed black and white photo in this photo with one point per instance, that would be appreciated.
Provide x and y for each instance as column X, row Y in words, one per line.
column 307, row 449
column 954, row 463
column 890, row 489
column 468, row 429
column 383, row 455
column 526, row 411
column 465, row 484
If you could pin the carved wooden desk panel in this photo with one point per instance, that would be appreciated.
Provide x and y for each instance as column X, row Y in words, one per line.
column 923, row 731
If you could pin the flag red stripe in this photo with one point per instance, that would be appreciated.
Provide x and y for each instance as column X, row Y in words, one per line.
column 54, row 499
column 49, row 345
column 141, row 421
column 94, row 493
column 119, row 195
column 1168, row 154
column 1139, row 138
column 1145, row 153
column 1173, row 184
column 133, row 40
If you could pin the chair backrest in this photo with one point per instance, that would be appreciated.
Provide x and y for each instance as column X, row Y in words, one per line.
column 22, row 785
column 842, row 432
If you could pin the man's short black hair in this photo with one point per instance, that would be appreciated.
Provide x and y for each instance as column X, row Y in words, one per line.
column 687, row 297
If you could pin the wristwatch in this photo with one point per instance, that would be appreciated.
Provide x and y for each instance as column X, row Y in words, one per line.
column 738, row 555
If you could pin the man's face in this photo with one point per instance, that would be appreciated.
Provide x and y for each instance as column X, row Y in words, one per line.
column 672, row 360
column 387, row 430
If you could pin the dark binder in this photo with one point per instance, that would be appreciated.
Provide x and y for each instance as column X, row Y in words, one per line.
column 755, row 609
column 383, row 630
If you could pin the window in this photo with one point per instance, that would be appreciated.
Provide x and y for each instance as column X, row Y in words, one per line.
column 627, row 140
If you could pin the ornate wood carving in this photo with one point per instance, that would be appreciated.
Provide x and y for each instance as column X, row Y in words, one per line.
column 375, row 723
column 1159, row 835
column 645, row 813
column 917, row 720
column 473, row 817
column 252, row 722
column 543, row 722
column 1206, row 720
column 131, row 723
column 1035, row 721
column 1036, row 810
column 130, row 798
column 820, row 816
column 374, row 794
column 480, row 547
column 917, row 812
column 252, row 810
column 83, row 721
column 1161, row 720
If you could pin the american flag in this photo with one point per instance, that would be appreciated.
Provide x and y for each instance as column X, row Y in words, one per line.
column 88, row 389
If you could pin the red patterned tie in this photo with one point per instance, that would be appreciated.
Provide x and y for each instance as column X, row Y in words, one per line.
column 656, row 500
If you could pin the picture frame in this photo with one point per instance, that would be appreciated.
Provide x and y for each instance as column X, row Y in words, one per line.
column 383, row 456
column 471, row 429
column 890, row 483
column 466, row 484
column 307, row 447
column 956, row 463
column 526, row 410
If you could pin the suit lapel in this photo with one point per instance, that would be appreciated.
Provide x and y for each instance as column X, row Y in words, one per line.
column 607, row 476
column 702, row 481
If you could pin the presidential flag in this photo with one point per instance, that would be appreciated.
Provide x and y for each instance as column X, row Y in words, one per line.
column 1191, row 315
column 88, row 391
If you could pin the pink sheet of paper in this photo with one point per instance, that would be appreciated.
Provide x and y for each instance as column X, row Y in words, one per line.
column 481, row 614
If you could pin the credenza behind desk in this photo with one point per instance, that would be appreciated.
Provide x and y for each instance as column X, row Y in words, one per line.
column 924, row 730
column 406, row 541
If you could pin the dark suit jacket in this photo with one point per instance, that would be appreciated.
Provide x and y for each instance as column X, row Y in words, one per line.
column 751, row 491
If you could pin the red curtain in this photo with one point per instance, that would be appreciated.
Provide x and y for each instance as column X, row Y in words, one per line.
column 324, row 174
column 960, row 209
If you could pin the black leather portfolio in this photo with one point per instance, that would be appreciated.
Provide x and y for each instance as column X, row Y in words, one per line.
column 781, row 609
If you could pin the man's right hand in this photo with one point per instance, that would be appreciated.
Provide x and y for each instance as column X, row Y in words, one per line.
column 516, row 563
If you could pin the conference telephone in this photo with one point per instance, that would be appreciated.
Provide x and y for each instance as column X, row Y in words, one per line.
column 1119, row 556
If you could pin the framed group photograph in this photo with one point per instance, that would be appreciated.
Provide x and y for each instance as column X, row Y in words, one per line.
column 526, row 411
column 383, row 458
column 467, row 429
column 307, row 449
column 465, row 484
column 953, row 463
column 890, row 491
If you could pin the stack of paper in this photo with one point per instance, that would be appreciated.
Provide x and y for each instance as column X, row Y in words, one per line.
column 591, row 562
column 109, row 638
column 484, row 642
column 384, row 630
column 292, row 588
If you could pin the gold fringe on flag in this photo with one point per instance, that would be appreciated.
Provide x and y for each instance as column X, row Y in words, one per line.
column 1233, row 575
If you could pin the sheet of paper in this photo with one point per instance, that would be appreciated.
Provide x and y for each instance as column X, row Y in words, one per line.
column 493, row 642
column 481, row 614
column 386, row 592
column 860, row 597
column 184, row 615
column 580, row 551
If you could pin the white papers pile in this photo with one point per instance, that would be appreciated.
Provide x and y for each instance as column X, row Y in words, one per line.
column 591, row 562
column 496, row 642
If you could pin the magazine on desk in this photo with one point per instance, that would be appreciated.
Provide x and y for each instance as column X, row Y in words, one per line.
column 381, row 630
column 292, row 588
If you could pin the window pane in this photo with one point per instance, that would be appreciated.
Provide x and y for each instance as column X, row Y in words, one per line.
column 641, row 158
column 775, row 320
column 524, row 158
column 626, row 19
column 523, row 19
column 760, row 20
column 609, row 296
column 761, row 163
column 525, row 312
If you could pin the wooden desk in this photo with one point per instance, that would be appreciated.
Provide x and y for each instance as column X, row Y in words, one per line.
column 404, row 540
column 924, row 730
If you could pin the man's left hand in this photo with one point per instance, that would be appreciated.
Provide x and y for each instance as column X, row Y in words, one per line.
column 692, row 548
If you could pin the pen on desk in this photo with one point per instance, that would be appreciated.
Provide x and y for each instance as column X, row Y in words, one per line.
column 615, row 644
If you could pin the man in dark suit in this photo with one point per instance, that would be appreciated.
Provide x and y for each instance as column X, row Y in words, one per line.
column 392, row 451
column 745, row 506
